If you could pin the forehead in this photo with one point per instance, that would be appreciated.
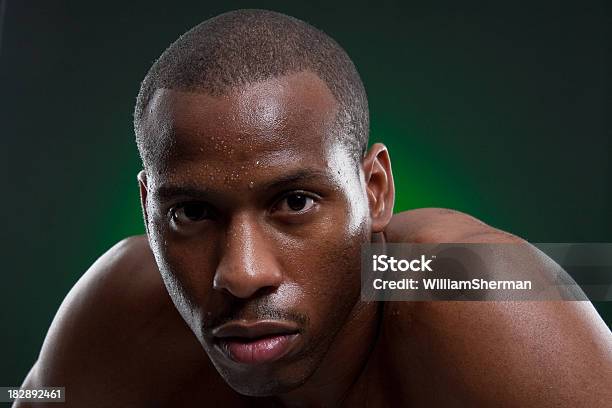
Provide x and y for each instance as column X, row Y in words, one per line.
column 280, row 122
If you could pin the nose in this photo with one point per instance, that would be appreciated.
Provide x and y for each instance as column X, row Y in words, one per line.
column 247, row 264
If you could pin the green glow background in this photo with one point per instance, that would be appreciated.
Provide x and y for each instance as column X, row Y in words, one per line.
column 501, row 111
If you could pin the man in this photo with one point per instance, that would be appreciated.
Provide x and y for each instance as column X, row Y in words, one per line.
column 257, row 195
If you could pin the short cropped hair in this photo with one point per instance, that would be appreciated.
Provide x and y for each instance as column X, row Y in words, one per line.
column 245, row 46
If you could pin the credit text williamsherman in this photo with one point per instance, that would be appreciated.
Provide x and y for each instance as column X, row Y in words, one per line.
column 446, row 284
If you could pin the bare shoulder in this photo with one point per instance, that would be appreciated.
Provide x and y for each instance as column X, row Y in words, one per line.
column 442, row 225
column 117, row 339
column 493, row 353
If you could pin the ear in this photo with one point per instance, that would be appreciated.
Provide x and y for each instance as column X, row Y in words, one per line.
column 379, row 186
column 142, row 183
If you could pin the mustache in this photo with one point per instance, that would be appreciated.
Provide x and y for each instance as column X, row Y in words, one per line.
column 262, row 311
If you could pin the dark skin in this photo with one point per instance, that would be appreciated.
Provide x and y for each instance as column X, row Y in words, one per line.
column 255, row 210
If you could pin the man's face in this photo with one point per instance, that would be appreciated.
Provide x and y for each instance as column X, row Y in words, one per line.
column 256, row 216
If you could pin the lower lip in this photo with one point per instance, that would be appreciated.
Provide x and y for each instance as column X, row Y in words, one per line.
column 264, row 350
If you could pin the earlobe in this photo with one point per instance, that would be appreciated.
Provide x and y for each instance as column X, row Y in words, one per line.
column 142, row 183
column 379, row 186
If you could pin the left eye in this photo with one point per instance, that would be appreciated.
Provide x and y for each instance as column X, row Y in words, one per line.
column 190, row 212
column 296, row 203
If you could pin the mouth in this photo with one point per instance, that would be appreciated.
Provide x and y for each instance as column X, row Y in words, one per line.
column 258, row 342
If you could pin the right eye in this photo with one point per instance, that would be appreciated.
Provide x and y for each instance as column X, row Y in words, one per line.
column 190, row 212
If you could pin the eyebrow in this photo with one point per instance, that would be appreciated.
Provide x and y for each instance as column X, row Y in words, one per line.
column 167, row 191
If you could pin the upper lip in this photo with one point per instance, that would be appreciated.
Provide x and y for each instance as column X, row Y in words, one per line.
column 254, row 329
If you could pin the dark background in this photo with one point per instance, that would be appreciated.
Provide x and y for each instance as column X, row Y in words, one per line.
column 501, row 111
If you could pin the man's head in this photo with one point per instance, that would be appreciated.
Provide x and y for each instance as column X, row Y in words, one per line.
column 257, row 195
column 246, row 46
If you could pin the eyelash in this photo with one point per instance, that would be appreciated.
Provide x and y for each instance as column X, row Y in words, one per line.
column 290, row 193
column 175, row 208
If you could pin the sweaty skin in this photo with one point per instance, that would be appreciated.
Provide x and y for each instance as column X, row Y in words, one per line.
column 255, row 210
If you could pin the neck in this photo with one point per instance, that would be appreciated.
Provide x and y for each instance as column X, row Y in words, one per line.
column 343, row 371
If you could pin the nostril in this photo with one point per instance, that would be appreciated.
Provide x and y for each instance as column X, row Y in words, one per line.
column 223, row 290
column 237, row 293
column 220, row 285
column 265, row 291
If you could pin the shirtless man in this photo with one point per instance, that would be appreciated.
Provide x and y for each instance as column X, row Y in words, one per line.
column 257, row 194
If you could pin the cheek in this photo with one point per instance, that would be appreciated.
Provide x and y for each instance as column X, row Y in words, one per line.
column 187, row 269
column 330, row 291
column 191, row 264
column 327, row 269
